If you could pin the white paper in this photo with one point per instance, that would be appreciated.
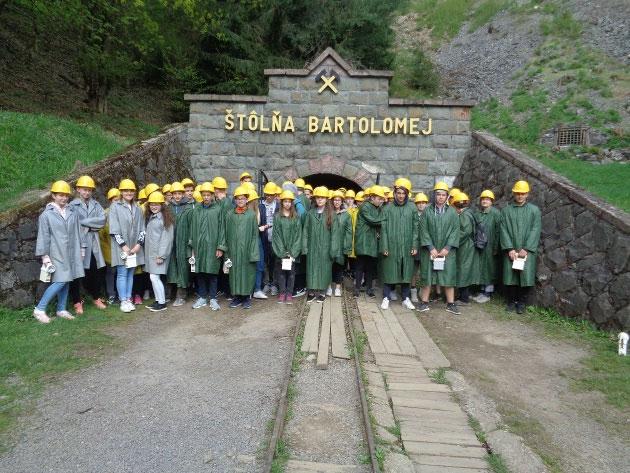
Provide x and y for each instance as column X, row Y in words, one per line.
column 438, row 263
column 130, row 262
column 44, row 275
column 519, row 263
column 287, row 263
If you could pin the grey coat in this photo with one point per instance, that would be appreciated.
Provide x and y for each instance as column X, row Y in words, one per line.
column 129, row 224
column 61, row 239
column 158, row 243
column 92, row 219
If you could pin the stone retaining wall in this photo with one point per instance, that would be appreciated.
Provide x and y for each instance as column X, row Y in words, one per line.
column 584, row 254
column 160, row 159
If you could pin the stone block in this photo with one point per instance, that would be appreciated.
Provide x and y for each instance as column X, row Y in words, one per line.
column 600, row 309
column 27, row 229
column 620, row 290
column 618, row 257
column 8, row 279
column 27, row 272
column 279, row 96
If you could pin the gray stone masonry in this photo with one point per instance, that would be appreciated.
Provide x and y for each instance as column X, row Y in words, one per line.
column 584, row 254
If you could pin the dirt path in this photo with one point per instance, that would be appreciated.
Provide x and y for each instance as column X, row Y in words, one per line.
column 193, row 392
column 528, row 375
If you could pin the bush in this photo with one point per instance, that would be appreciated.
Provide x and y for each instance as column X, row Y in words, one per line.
column 423, row 76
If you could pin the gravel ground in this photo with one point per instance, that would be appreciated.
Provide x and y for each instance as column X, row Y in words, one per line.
column 192, row 393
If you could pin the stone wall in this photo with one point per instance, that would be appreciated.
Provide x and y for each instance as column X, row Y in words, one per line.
column 160, row 159
column 358, row 157
column 584, row 254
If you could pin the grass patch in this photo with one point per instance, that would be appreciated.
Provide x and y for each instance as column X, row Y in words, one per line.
column 281, row 457
column 562, row 24
column 486, row 11
column 496, row 463
column 415, row 75
column 439, row 376
column 444, row 17
column 33, row 354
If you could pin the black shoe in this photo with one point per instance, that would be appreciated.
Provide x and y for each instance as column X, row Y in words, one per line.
column 422, row 307
column 511, row 307
column 236, row 302
column 321, row 298
column 156, row 307
column 520, row 308
column 310, row 298
column 452, row 308
column 370, row 293
column 112, row 300
column 247, row 303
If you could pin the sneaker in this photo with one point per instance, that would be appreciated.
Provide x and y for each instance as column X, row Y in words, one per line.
column 150, row 306
column 414, row 296
column 124, row 306
column 407, row 304
column 274, row 291
column 131, row 305
column 111, row 300
column 329, row 291
column 393, row 296
column 289, row 299
column 214, row 305
column 385, row 303
column 511, row 307
column 370, row 293
column 482, row 299
column 147, row 295
column 520, row 308
column 281, row 298
column 64, row 314
column 78, row 308
column 100, row 304
column 41, row 316
column 321, row 298
column 179, row 302
column 299, row 292
column 310, row 298
column 266, row 289
column 236, row 302
column 452, row 308
column 199, row 303
column 337, row 292
column 423, row 307
column 260, row 295
column 157, row 307
column 247, row 303
column 137, row 300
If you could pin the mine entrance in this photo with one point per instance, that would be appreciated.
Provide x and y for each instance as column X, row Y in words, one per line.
column 332, row 181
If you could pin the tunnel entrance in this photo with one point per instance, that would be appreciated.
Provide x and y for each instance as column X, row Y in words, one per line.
column 332, row 181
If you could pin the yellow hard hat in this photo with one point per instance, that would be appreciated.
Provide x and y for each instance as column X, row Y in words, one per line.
column 249, row 185
column 440, row 186
column 127, row 185
column 142, row 195
column 270, row 188
column 350, row 194
column 197, row 197
column 206, row 187
column 388, row 192
column 253, row 195
column 367, row 191
column 521, row 187
column 308, row 187
column 338, row 193
column 487, row 193
column 299, row 183
column 245, row 174
column 166, row 188
column 459, row 197
column 150, row 188
column 330, row 193
column 421, row 197
column 453, row 191
column 278, row 189
column 219, row 183
column 156, row 197
column 113, row 192
column 287, row 195
column 177, row 187
column 320, row 191
column 378, row 191
column 86, row 181
column 197, row 187
column 404, row 183
column 60, row 187
column 360, row 196
column 187, row 182
column 241, row 190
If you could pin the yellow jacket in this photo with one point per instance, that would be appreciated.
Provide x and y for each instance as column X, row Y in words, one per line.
column 353, row 212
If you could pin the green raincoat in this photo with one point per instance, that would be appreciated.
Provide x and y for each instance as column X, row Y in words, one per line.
column 488, row 257
column 341, row 237
column 399, row 235
column 369, row 222
column 438, row 231
column 520, row 229
column 306, row 202
column 467, row 254
column 207, row 235
column 241, row 234
column 287, row 236
column 317, row 246
column 179, row 268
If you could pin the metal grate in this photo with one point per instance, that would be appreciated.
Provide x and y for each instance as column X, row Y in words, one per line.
column 572, row 135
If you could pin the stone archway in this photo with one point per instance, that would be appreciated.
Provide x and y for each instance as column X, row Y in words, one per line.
column 332, row 181
column 328, row 165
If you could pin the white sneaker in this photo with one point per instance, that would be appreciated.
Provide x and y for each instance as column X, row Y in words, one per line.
column 482, row 299
column 199, row 303
column 214, row 305
column 329, row 291
column 124, row 306
column 64, row 314
column 337, row 292
column 393, row 296
column 260, row 295
column 178, row 302
column 414, row 296
column 131, row 305
column 408, row 305
column 41, row 316
column 274, row 291
column 385, row 303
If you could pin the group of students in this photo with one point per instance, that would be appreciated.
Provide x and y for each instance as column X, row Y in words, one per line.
column 294, row 240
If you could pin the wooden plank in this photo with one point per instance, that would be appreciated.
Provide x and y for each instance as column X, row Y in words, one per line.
column 414, row 417
column 324, row 337
column 440, row 460
column 450, row 438
column 419, row 387
column 445, row 405
column 374, row 339
column 338, row 337
column 434, row 396
column 425, row 448
column 428, row 351
column 311, row 329
column 445, row 469
column 385, row 332
column 405, row 345
column 394, row 360
column 423, row 427
column 297, row 466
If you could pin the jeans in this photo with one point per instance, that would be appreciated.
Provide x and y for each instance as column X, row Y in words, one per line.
column 59, row 289
column 405, row 291
column 260, row 266
column 124, row 282
column 207, row 285
column 158, row 288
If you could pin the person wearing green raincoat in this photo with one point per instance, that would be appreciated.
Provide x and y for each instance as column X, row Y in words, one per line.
column 286, row 242
column 399, row 244
column 467, row 255
column 241, row 236
column 488, row 216
column 341, row 245
column 520, row 234
column 317, row 245
column 369, row 221
column 206, row 246
column 439, row 238
column 179, row 267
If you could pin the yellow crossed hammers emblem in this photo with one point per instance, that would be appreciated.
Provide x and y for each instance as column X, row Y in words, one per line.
column 328, row 82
